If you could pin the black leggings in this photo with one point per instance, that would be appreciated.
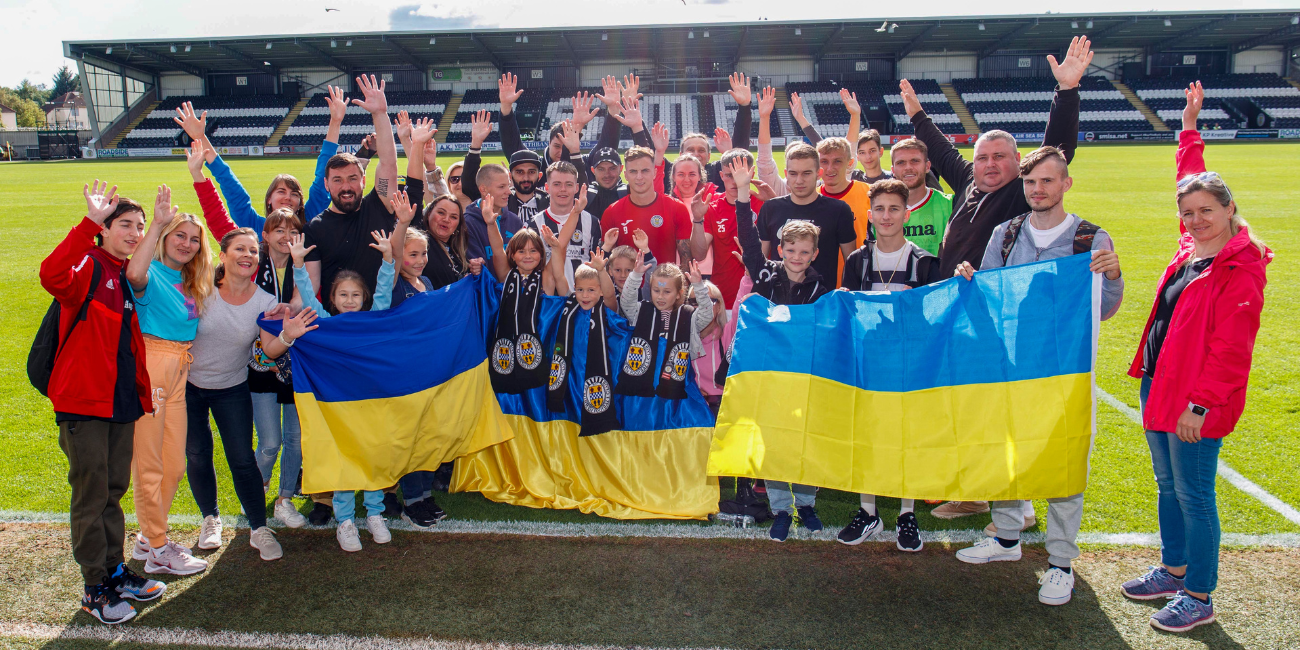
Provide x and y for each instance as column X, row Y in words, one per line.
column 232, row 408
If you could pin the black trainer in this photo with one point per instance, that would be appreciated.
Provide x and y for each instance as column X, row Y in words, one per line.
column 808, row 517
column 104, row 603
column 909, row 533
column 781, row 526
column 418, row 516
column 860, row 529
column 435, row 510
column 392, row 507
column 320, row 514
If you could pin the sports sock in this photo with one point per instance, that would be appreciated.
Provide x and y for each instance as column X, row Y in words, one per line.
column 1063, row 568
column 1007, row 543
column 909, row 505
column 868, row 503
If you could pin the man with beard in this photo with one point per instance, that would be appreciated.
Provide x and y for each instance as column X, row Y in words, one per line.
column 526, row 196
column 339, row 238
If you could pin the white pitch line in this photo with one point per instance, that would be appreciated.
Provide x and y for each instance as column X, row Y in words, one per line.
column 1230, row 475
column 140, row 634
column 684, row 531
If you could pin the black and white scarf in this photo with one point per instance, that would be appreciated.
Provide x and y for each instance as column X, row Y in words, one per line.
column 598, row 412
column 516, row 354
column 635, row 377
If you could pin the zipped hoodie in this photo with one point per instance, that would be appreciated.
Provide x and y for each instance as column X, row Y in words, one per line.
column 85, row 371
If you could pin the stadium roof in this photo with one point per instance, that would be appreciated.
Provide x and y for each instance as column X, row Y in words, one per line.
column 725, row 42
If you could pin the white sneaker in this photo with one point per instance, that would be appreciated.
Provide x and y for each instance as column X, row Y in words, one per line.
column 169, row 559
column 284, row 511
column 379, row 529
column 349, row 539
column 264, row 541
column 140, row 550
column 210, row 534
column 1057, row 587
column 989, row 550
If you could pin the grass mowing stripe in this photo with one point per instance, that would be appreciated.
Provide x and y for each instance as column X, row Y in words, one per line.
column 201, row 638
column 1230, row 475
column 687, row 531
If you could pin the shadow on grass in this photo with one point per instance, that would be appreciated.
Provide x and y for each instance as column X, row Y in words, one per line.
column 626, row 592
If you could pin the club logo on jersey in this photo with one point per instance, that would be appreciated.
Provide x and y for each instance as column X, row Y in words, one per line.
column 110, row 283
column 576, row 238
column 656, row 221
column 596, row 394
column 558, row 369
column 503, row 356
column 638, row 357
column 529, row 352
column 681, row 359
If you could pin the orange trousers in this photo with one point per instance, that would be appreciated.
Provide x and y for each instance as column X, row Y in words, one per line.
column 159, row 461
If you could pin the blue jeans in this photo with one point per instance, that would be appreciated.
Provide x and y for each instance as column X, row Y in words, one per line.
column 1186, row 507
column 232, row 409
column 416, row 486
column 277, row 427
column 345, row 503
column 785, row 497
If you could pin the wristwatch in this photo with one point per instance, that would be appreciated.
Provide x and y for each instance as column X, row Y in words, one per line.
column 1197, row 409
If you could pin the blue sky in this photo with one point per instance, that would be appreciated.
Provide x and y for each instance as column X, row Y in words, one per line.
column 31, row 47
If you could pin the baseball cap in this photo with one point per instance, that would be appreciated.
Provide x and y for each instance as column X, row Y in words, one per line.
column 604, row 154
column 525, row 156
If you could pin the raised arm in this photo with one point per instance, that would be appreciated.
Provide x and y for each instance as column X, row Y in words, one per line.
column 384, row 243
column 796, row 109
column 741, row 92
column 1190, row 158
column 376, row 103
column 630, row 298
column 750, row 245
column 701, row 238
column 422, row 132
column 137, row 270
column 338, row 105
column 608, row 293
column 1063, row 121
column 944, row 157
column 214, row 212
column 480, row 127
column 500, row 265
column 703, row 315
column 855, row 115
column 764, row 161
column 507, row 90
column 241, row 207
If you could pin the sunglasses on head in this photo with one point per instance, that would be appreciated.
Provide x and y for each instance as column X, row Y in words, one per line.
column 1206, row 177
column 453, row 179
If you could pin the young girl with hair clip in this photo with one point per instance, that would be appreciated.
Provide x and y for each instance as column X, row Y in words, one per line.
column 218, row 383
column 348, row 294
column 516, row 355
column 172, row 282
column 664, row 322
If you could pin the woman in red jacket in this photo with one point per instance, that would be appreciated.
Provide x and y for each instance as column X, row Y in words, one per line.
column 1194, row 362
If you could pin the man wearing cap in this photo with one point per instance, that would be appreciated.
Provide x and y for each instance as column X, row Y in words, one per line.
column 607, row 168
column 526, row 198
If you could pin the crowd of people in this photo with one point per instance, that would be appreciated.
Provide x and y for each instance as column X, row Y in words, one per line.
column 671, row 247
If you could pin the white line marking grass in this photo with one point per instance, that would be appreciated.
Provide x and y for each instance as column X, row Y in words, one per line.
column 139, row 634
column 1230, row 475
column 685, row 531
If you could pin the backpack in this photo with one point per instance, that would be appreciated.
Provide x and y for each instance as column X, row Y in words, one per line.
column 1083, row 236
column 45, row 347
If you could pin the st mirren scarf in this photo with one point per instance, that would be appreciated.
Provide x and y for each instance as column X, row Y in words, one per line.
column 636, row 376
column 598, row 413
column 516, row 354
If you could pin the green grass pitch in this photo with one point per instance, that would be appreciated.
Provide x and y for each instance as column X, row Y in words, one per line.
column 1126, row 189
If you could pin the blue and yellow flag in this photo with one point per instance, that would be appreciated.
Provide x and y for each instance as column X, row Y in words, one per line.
column 382, row 394
column 963, row 390
column 653, row 468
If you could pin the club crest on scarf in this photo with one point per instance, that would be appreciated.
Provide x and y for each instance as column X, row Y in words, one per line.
column 559, row 369
column 529, row 352
column 503, row 355
column 596, row 395
column 679, row 360
column 638, row 357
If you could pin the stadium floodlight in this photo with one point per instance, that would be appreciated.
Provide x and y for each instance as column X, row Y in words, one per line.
column 690, row 34
column 981, row 26
column 266, row 63
column 892, row 27
column 604, row 36
column 433, row 40
column 348, row 44
column 108, row 50
column 173, row 49
column 706, row 33
column 1074, row 24
column 1295, row 20
column 525, row 39
column 1089, row 25
column 187, row 48
column 268, row 46
column 519, row 39
column 1169, row 23
column 334, row 43
column 798, row 32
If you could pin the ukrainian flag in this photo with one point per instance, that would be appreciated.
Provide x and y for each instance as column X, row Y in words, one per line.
column 963, row 390
column 384, row 393
column 652, row 469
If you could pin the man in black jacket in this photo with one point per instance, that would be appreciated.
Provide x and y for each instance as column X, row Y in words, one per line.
column 988, row 190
